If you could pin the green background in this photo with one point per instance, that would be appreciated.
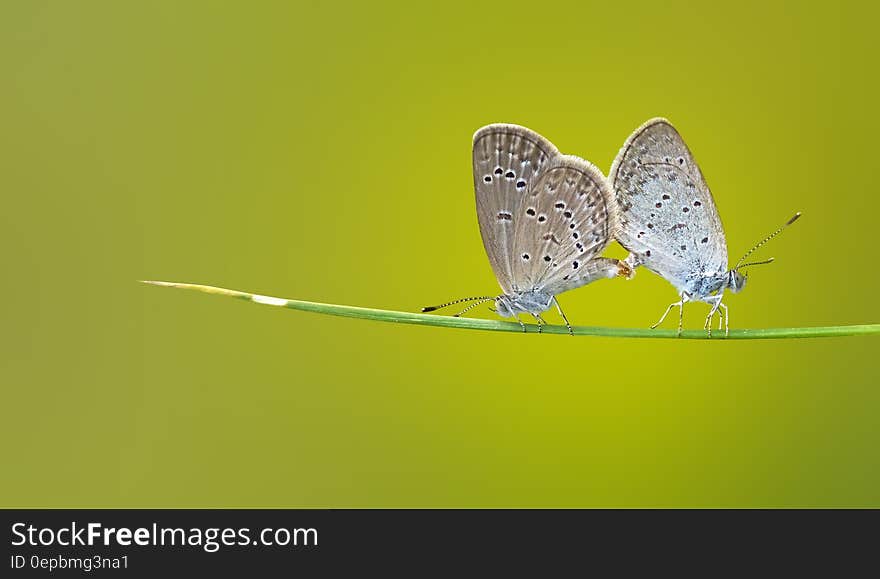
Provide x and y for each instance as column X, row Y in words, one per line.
column 322, row 151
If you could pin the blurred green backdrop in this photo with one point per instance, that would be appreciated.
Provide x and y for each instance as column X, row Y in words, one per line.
column 322, row 151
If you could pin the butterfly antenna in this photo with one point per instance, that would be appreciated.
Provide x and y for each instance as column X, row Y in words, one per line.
column 763, row 241
column 472, row 306
column 432, row 308
column 756, row 263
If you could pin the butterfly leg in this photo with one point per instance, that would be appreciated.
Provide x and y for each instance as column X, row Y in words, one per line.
column 541, row 323
column 716, row 303
column 680, row 315
column 680, row 305
column 666, row 313
column 708, row 325
column 726, row 324
column 564, row 319
column 516, row 317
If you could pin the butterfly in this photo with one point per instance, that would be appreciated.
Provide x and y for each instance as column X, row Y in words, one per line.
column 669, row 222
column 544, row 218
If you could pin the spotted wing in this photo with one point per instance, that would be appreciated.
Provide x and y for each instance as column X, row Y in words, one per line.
column 668, row 217
column 507, row 160
column 568, row 217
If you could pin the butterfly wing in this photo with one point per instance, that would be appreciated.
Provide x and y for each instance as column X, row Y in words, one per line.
column 668, row 218
column 568, row 217
column 507, row 160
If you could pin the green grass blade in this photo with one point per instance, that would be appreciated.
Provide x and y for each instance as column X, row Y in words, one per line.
column 502, row 326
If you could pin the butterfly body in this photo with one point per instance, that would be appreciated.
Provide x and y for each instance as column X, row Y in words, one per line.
column 703, row 284
column 534, row 302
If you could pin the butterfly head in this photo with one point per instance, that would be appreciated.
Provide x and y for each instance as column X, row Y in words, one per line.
column 736, row 281
column 503, row 306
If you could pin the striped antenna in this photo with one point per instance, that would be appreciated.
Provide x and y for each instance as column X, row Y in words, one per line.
column 765, row 240
column 472, row 306
column 432, row 308
column 756, row 263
